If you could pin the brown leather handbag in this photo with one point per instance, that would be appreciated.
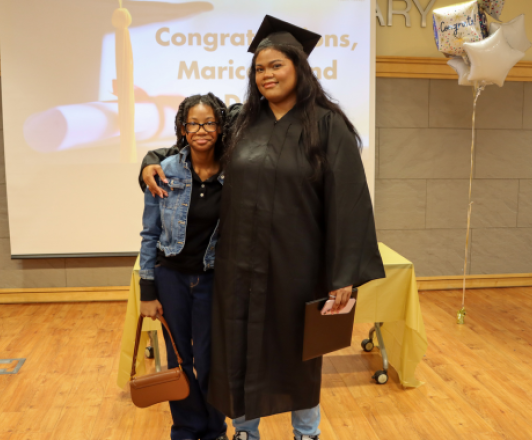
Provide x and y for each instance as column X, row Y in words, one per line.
column 158, row 387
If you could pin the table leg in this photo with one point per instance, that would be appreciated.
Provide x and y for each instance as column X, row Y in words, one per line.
column 382, row 347
column 154, row 341
column 381, row 376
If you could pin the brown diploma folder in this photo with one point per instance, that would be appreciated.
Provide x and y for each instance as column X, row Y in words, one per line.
column 325, row 333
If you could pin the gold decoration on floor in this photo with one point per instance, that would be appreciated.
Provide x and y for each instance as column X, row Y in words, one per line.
column 460, row 316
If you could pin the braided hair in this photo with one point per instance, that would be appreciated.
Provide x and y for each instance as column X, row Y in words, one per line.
column 220, row 111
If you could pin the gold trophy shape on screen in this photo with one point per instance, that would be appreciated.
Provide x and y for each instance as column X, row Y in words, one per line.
column 130, row 117
column 124, row 85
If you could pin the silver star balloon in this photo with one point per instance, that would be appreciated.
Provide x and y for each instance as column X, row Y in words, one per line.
column 462, row 69
column 515, row 33
column 492, row 59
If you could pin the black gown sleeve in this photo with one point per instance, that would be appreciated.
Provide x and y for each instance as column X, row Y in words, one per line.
column 232, row 114
column 352, row 253
column 155, row 157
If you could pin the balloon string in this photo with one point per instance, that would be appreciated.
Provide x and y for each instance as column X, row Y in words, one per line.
column 479, row 90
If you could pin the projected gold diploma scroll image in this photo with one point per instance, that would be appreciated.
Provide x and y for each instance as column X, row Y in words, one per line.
column 135, row 117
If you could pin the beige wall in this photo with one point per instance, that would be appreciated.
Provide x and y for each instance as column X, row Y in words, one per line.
column 423, row 146
column 423, row 165
column 398, row 40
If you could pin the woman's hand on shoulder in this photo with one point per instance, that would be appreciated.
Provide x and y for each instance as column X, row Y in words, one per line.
column 150, row 309
column 340, row 296
column 148, row 175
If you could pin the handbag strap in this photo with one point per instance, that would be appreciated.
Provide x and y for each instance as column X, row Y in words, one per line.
column 137, row 342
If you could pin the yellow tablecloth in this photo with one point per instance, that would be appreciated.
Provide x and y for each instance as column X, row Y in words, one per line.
column 130, row 328
column 393, row 301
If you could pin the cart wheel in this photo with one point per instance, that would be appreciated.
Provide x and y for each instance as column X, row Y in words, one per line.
column 148, row 353
column 381, row 377
column 367, row 345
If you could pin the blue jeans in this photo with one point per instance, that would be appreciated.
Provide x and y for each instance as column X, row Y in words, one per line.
column 304, row 422
column 187, row 301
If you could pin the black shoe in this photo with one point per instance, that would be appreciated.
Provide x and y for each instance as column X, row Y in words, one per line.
column 241, row 435
column 309, row 437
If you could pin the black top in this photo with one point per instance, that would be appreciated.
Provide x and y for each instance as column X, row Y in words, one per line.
column 203, row 214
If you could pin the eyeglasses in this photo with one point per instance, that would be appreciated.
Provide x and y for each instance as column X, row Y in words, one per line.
column 194, row 127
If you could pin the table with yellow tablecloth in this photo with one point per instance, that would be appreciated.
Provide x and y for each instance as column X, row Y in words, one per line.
column 393, row 301
column 130, row 327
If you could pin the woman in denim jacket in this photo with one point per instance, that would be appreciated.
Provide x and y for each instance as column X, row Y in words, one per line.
column 177, row 257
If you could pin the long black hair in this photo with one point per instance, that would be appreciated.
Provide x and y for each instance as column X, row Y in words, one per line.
column 309, row 94
column 220, row 111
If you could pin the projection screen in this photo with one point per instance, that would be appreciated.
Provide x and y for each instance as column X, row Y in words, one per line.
column 70, row 191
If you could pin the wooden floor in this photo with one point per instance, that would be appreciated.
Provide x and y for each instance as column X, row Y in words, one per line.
column 478, row 377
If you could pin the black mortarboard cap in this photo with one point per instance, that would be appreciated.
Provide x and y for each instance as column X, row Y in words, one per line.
column 281, row 32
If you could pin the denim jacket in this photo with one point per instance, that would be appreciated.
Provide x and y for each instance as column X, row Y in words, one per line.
column 165, row 220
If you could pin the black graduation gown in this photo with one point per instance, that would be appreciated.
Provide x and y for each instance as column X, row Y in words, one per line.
column 285, row 239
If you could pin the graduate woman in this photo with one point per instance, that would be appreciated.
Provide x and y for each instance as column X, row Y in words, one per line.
column 296, row 225
column 177, row 258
